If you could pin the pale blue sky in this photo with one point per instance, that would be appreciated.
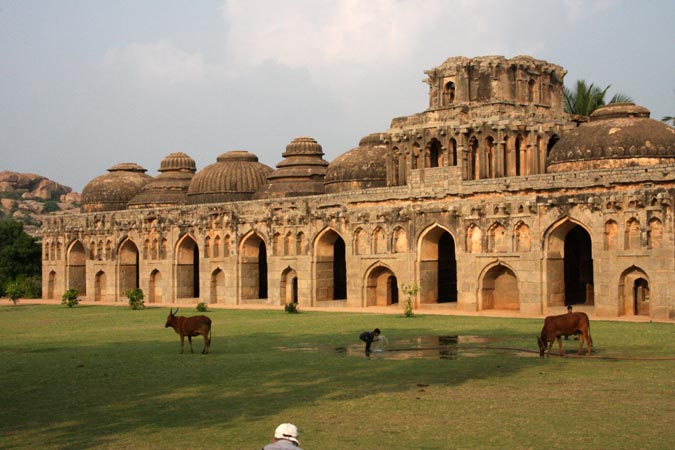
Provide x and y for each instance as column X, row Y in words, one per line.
column 86, row 84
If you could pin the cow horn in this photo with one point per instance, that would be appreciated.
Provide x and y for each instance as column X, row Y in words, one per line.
column 175, row 312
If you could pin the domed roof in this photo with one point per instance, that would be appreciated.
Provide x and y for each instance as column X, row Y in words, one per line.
column 170, row 187
column 362, row 167
column 113, row 190
column 300, row 173
column 617, row 135
column 235, row 176
column 178, row 162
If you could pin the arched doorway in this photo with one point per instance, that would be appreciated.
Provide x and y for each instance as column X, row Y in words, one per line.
column 155, row 287
column 437, row 267
column 634, row 292
column 253, row 263
column 289, row 286
column 128, row 266
column 569, row 265
column 500, row 289
column 330, row 267
column 77, row 268
column 217, row 290
column 187, row 268
column 381, row 287
column 100, row 287
column 51, row 282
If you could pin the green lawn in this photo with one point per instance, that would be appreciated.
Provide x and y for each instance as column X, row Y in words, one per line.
column 109, row 377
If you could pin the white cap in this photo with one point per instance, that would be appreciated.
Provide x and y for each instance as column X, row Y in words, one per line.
column 287, row 431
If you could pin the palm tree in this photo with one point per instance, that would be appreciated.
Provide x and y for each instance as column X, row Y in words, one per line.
column 585, row 99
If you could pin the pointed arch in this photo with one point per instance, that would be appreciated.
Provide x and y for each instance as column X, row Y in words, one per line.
column 289, row 247
column 155, row 287
column 437, row 265
column 400, row 240
column 288, row 287
column 76, row 262
column 187, row 267
column 634, row 292
column 611, row 237
column 497, row 240
column 217, row 286
column 330, row 267
column 655, row 234
column 381, row 286
column 253, row 263
column 523, row 240
column 300, row 243
column 51, row 284
column 473, row 171
column 128, row 258
column 360, row 242
column 474, row 239
column 569, row 264
column 379, row 241
column 490, row 157
column 499, row 288
column 100, row 287
column 633, row 235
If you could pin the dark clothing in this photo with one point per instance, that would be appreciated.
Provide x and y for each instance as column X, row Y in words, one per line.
column 368, row 337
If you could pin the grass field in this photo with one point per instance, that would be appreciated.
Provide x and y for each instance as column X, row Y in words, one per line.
column 109, row 377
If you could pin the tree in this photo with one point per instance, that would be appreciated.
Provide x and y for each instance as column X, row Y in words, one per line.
column 586, row 98
column 20, row 254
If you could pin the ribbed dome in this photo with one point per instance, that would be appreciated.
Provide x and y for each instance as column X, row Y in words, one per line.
column 301, row 172
column 360, row 168
column 170, row 187
column 617, row 135
column 235, row 176
column 178, row 161
column 112, row 191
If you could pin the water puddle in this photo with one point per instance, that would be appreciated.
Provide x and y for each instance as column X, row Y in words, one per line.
column 423, row 347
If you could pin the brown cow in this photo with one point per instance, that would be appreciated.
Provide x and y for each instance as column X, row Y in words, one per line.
column 190, row 326
column 565, row 324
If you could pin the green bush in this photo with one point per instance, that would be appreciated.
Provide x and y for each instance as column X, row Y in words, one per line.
column 13, row 290
column 202, row 307
column 50, row 206
column 292, row 308
column 410, row 290
column 31, row 286
column 70, row 298
column 136, row 297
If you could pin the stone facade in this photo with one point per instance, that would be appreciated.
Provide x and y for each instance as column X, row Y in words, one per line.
column 479, row 200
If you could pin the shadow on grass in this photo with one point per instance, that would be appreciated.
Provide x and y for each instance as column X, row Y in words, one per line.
column 89, row 396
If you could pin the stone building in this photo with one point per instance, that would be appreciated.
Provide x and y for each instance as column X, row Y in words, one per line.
column 491, row 199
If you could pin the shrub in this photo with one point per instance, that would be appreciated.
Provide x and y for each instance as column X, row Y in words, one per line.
column 202, row 307
column 50, row 206
column 70, row 298
column 31, row 286
column 410, row 291
column 292, row 308
column 13, row 290
column 136, row 297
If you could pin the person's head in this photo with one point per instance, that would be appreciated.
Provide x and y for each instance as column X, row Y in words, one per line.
column 287, row 431
column 569, row 308
column 376, row 331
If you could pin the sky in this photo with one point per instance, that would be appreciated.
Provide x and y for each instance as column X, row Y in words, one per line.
column 87, row 84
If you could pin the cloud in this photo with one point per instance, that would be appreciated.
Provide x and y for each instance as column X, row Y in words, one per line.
column 325, row 36
column 156, row 64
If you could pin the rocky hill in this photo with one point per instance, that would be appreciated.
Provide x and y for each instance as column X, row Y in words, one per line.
column 27, row 197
